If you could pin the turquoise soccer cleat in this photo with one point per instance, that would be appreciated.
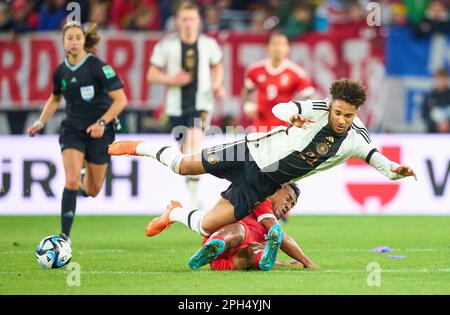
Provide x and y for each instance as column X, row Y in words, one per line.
column 273, row 242
column 207, row 253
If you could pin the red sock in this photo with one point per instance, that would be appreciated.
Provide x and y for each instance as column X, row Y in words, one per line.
column 257, row 258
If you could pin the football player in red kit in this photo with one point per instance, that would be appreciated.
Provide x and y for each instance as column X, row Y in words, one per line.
column 249, row 244
column 276, row 80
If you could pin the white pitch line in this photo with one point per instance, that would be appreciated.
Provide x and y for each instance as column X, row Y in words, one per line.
column 305, row 271
column 81, row 251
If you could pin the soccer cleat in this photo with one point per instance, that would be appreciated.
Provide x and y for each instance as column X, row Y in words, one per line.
column 127, row 147
column 161, row 223
column 273, row 242
column 207, row 253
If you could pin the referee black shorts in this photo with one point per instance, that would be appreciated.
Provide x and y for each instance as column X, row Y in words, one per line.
column 95, row 150
column 249, row 186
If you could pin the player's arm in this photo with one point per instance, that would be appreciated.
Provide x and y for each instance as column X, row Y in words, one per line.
column 112, row 83
column 158, row 62
column 390, row 169
column 289, row 245
column 119, row 103
column 365, row 151
column 250, row 108
column 217, row 71
column 217, row 74
column 49, row 110
column 296, row 113
column 157, row 75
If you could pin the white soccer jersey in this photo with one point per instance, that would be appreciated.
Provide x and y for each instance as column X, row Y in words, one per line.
column 167, row 55
column 288, row 154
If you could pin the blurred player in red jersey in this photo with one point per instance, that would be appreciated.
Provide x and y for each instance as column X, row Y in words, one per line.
column 249, row 244
column 276, row 80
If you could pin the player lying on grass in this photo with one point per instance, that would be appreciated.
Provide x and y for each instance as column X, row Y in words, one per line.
column 244, row 245
column 322, row 135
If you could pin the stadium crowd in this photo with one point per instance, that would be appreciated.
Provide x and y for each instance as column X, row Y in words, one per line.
column 294, row 18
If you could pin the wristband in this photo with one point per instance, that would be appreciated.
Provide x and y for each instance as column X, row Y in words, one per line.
column 39, row 124
column 101, row 122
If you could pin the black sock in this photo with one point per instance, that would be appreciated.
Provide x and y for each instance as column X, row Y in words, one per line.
column 68, row 206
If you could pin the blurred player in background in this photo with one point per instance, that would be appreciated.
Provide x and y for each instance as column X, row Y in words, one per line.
column 243, row 245
column 88, row 86
column 322, row 135
column 276, row 80
column 190, row 64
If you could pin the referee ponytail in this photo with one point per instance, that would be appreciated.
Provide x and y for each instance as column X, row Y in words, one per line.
column 91, row 36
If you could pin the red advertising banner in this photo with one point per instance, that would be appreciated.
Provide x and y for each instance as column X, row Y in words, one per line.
column 27, row 63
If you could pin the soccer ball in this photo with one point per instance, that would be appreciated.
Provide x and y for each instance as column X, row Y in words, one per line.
column 53, row 252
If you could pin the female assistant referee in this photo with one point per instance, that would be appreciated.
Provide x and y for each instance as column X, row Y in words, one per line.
column 94, row 97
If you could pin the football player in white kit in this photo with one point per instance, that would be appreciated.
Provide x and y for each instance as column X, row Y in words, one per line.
column 322, row 134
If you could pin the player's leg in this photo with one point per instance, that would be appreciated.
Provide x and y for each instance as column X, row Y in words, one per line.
column 179, row 163
column 248, row 257
column 221, row 241
column 96, row 162
column 94, row 177
column 202, row 222
column 192, row 144
column 72, row 161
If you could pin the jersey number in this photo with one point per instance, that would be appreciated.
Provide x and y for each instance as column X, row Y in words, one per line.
column 271, row 92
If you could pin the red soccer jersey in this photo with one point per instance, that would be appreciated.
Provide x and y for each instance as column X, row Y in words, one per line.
column 256, row 229
column 275, row 85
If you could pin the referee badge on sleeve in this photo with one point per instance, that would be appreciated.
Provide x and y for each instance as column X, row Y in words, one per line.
column 87, row 93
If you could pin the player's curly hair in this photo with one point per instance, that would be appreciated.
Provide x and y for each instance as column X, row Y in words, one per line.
column 348, row 90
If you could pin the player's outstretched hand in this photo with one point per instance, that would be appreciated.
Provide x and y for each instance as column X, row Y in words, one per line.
column 300, row 121
column 96, row 130
column 35, row 128
column 404, row 171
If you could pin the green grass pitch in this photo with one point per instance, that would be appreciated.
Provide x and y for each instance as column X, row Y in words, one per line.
column 116, row 257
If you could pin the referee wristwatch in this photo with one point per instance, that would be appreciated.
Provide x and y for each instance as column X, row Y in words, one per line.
column 102, row 122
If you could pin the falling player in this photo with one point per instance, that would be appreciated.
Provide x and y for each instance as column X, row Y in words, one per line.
column 322, row 135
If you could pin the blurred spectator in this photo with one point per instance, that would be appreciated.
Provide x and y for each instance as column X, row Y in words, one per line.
column 299, row 22
column 436, row 20
column 436, row 106
column 416, row 10
column 257, row 20
column 99, row 14
column 212, row 23
column 144, row 17
column 398, row 13
column 230, row 18
column 24, row 17
column 355, row 12
column 6, row 21
column 123, row 13
column 52, row 15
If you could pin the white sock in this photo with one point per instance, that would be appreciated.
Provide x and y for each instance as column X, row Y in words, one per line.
column 169, row 156
column 192, row 183
column 191, row 218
